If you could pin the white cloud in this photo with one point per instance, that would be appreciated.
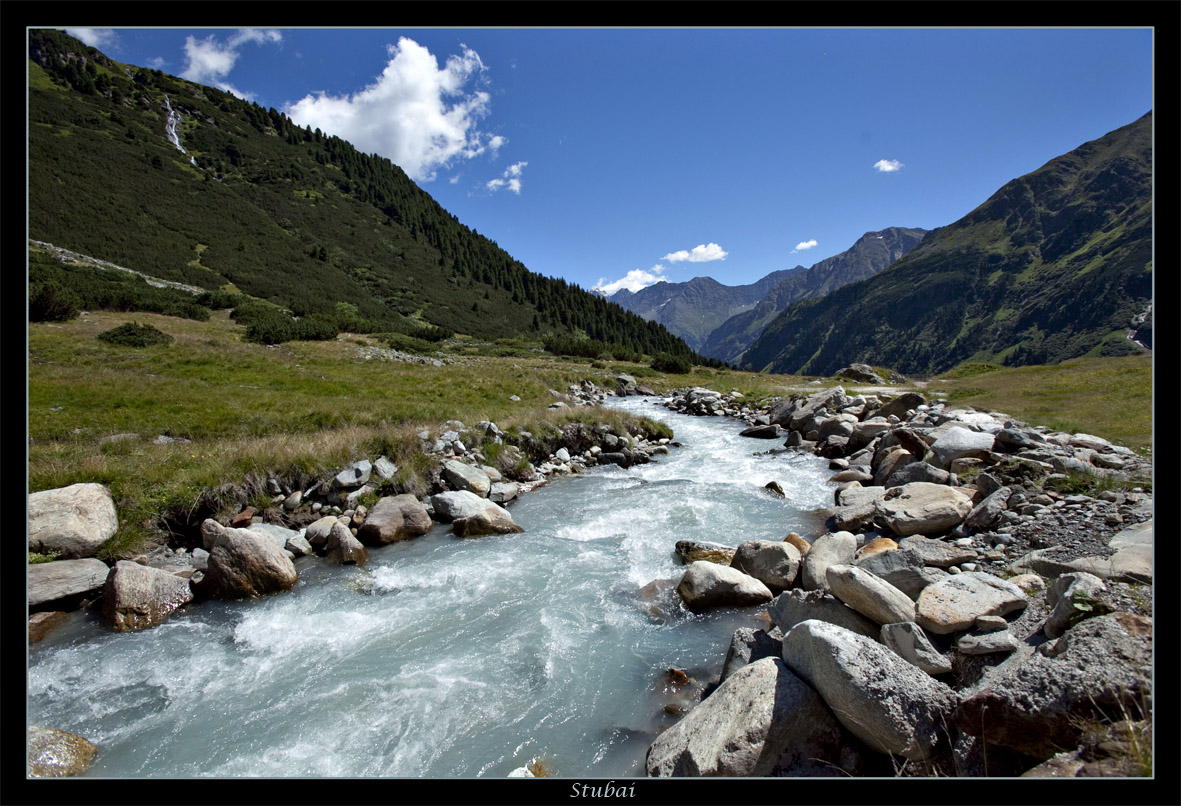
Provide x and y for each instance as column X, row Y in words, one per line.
column 804, row 245
column 95, row 37
column 633, row 281
column 210, row 61
column 420, row 116
column 887, row 166
column 511, row 179
column 702, row 253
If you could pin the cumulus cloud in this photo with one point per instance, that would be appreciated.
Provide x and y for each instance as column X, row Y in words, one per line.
column 702, row 253
column 804, row 246
column 420, row 116
column 209, row 61
column 887, row 166
column 633, row 281
column 511, row 178
column 95, row 37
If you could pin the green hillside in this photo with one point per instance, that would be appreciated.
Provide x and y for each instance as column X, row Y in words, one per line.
column 285, row 214
column 1056, row 265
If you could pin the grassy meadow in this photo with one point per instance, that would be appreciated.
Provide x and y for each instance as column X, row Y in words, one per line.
column 302, row 409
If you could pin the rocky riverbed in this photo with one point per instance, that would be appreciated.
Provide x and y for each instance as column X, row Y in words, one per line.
column 963, row 569
column 979, row 604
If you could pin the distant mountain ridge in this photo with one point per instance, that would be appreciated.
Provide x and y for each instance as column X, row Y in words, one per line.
column 872, row 253
column 1056, row 264
column 693, row 309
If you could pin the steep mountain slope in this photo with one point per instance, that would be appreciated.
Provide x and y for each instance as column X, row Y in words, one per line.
column 188, row 183
column 1057, row 264
column 694, row 308
column 872, row 252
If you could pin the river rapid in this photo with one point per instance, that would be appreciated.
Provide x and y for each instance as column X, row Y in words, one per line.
column 443, row 657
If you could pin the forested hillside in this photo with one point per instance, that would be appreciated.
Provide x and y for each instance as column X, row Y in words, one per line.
column 255, row 204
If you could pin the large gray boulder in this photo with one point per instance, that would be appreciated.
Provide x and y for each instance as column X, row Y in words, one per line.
column 136, row 597
column 1100, row 670
column 467, row 477
column 953, row 604
column 245, row 564
column 923, row 508
column 707, row 585
column 71, row 522
column 395, row 517
column 775, row 563
column 891, row 705
column 861, row 373
column 61, row 584
column 456, row 504
column 792, row 607
column 53, row 753
column 873, row 598
column 938, row 553
column 958, row 442
column 835, row 548
column 762, row 721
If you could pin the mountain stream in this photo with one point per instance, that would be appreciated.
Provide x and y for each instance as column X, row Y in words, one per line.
column 443, row 657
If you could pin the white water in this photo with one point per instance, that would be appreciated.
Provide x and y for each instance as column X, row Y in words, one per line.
column 442, row 657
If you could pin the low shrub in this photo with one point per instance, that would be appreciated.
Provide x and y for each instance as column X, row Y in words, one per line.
column 672, row 364
column 130, row 334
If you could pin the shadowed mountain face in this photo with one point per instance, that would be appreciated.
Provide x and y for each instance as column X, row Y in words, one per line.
column 693, row 309
column 1056, row 265
column 873, row 252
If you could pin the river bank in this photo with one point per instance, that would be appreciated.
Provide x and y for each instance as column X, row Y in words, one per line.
column 580, row 524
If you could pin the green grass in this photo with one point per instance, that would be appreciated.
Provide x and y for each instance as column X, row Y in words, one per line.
column 1107, row 397
column 299, row 410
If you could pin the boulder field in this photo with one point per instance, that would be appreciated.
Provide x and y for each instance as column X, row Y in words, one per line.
column 960, row 616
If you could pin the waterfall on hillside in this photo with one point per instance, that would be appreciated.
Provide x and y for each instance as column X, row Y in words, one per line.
column 170, row 130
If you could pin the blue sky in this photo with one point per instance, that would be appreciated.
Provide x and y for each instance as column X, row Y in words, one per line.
column 618, row 157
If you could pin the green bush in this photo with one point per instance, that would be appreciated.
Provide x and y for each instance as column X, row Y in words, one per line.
column 218, row 300
column 408, row 344
column 672, row 364
column 52, row 302
column 130, row 334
